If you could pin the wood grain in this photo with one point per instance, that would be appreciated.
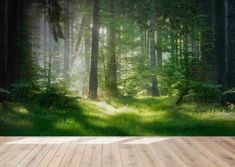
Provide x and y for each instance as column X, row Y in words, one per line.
column 117, row 151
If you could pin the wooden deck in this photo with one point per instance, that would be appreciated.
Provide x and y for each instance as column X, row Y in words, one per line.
column 117, row 152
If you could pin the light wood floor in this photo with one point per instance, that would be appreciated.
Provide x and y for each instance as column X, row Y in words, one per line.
column 117, row 152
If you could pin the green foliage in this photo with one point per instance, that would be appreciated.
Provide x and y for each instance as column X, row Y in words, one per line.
column 25, row 90
column 228, row 98
column 52, row 97
column 57, row 98
column 135, row 117
column 185, row 82
column 202, row 92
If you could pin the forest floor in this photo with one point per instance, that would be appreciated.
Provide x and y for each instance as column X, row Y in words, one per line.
column 119, row 117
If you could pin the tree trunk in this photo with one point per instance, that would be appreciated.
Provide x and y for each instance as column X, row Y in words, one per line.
column 45, row 42
column 14, row 29
column 219, row 28
column 66, row 41
column 153, row 58
column 3, row 43
column 207, row 41
column 230, row 43
column 80, row 34
column 93, row 85
column 159, row 47
column 112, row 89
column 87, row 42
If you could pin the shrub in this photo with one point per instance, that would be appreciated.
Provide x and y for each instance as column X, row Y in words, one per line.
column 23, row 91
column 57, row 98
column 5, row 95
column 228, row 98
column 199, row 92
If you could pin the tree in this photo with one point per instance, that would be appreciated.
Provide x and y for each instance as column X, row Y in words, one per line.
column 16, row 62
column 93, row 83
column 207, row 38
column 219, row 28
column 66, row 40
column 111, row 84
column 230, row 43
column 3, row 43
column 153, row 58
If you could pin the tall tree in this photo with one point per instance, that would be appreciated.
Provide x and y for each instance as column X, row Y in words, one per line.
column 66, row 40
column 219, row 29
column 93, row 83
column 112, row 64
column 230, row 43
column 207, row 39
column 3, row 43
column 153, row 57
column 16, row 62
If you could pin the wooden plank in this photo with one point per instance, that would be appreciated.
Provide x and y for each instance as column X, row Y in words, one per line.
column 202, row 151
column 33, row 153
column 149, row 156
column 115, row 155
column 60, row 151
column 4, row 140
column 168, row 157
column 41, row 154
column 97, row 156
column 227, row 143
column 59, row 154
column 5, row 149
column 218, row 150
column 106, row 158
column 50, row 154
column 87, row 156
column 69, row 154
column 9, row 149
column 200, row 155
column 19, row 154
column 78, row 154
column 185, row 154
column 15, row 153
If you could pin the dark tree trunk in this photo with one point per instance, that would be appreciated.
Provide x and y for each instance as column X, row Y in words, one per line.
column 112, row 89
column 219, row 28
column 14, row 30
column 93, row 85
column 207, row 41
column 230, row 43
column 3, row 43
column 66, row 41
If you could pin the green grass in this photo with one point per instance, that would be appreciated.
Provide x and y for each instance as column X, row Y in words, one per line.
column 129, row 116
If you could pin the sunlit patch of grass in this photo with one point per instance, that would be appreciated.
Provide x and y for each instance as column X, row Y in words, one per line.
column 140, row 116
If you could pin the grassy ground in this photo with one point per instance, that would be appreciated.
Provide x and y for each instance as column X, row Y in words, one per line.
column 118, row 117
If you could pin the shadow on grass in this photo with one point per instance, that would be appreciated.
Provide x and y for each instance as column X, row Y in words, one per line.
column 86, row 119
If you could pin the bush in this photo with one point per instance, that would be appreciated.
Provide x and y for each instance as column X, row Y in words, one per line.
column 5, row 95
column 228, row 98
column 24, row 91
column 199, row 92
column 57, row 98
column 204, row 92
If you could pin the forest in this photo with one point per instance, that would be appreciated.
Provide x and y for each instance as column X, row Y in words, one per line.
column 117, row 67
